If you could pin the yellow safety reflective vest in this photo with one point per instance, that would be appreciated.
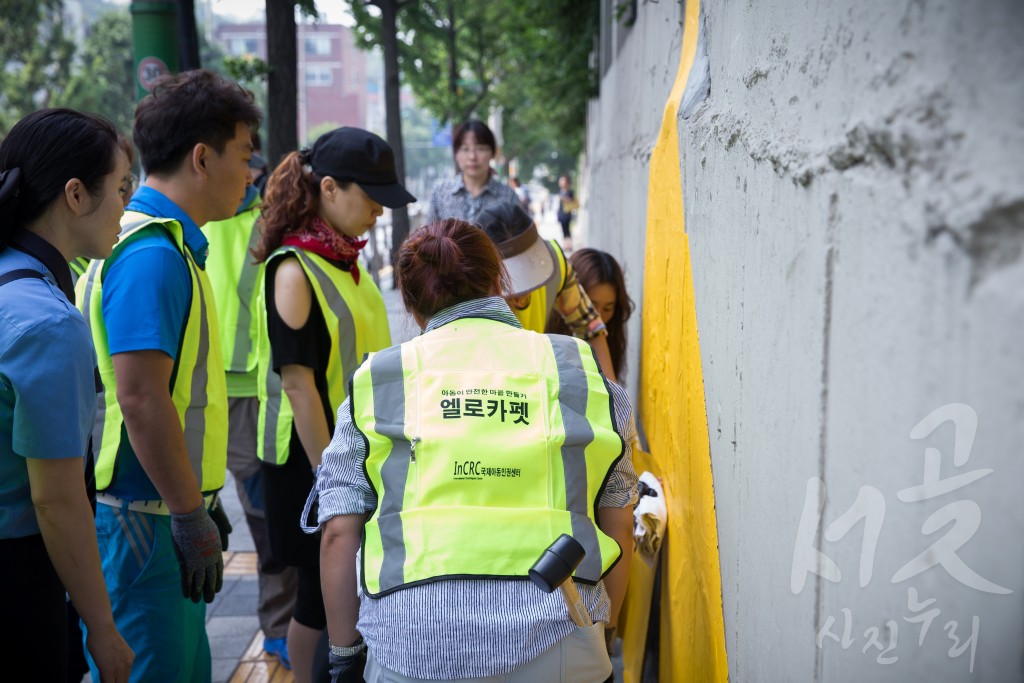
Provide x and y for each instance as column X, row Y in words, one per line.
column 78, row 267
column 535, row 316
column 485, row 444
column 197, row 383
column 234, row 277
column 358, row 324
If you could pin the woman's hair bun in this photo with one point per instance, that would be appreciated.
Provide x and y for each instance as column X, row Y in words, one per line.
column 441, row 252
column 445, row 263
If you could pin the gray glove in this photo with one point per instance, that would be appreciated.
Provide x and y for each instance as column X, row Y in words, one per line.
column 197, row 547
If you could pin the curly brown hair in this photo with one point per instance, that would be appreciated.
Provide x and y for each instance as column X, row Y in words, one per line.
column 293, row 197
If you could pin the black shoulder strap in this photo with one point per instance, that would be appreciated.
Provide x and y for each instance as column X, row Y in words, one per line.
column 20, row 274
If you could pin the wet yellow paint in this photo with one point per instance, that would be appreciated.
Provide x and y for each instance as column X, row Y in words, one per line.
column 673, row 412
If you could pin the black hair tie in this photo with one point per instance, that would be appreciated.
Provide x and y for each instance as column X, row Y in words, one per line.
column 10, row 183
column 304, row 156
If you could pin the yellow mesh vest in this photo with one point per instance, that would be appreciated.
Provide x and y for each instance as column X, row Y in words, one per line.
column 358, row 324
column 197, row 386
column 486, row 443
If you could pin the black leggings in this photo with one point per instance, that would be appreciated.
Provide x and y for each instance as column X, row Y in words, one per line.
column 33, row 629
column 285, row 489
column 566, row 232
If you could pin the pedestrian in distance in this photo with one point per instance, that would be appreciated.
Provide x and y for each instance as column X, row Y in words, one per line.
column 322, row 314
column 455, row 463
column 236, row 279
column 161, row 433
column 601, row 276
column 475, row 187
column 61, row 175
column 522, row 194
column 567, row 206
column 542, row 281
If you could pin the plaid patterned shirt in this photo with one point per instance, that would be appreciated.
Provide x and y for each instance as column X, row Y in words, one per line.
column 462, row 628
column 451, row 199
column 576, row 308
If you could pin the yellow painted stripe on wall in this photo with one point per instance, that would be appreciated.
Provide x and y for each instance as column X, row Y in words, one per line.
column 673, row 412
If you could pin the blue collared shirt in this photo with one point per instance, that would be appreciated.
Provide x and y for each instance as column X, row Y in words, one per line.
column 155, row 203
column 47, row 385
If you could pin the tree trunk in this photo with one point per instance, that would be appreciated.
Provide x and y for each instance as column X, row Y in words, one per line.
column 188, row 36
column 453, row 65
column 282, row 92
column 393, row 111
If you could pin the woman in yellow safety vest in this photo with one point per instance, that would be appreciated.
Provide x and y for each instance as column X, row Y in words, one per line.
column 321, row 315
column 457, row 460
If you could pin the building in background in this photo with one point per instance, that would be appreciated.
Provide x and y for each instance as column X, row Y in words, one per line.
column 338, row 83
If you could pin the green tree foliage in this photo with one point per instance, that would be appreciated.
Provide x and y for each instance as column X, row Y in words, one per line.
column 104, row 81
column 420, row 153
column 465, row 58
column 250, row 72
column 545, row 103
column 35, row 56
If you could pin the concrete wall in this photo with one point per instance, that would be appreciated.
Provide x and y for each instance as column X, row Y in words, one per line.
column 854, row 202
column 620, row 136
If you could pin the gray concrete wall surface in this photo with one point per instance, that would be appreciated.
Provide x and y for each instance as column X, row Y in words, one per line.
column 854, row 197
column 622, row 128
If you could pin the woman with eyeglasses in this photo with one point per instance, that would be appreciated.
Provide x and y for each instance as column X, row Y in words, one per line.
column 475, row 187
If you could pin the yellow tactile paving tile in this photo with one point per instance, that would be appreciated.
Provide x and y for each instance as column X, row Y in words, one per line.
column 239, row 564
column 256, row 666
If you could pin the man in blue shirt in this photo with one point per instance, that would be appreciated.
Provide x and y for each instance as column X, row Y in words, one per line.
column 161, row 433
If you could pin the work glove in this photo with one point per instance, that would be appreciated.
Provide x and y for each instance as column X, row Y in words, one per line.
column 197, row 547
column 347, row 663
column 220, row 518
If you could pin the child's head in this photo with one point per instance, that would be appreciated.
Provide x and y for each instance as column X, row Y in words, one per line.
column 601, row 277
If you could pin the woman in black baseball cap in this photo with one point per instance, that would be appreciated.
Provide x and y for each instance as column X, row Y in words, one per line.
column 321, row 316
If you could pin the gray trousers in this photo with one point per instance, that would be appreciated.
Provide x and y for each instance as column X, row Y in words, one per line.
column 580, row 657
column 277, row 582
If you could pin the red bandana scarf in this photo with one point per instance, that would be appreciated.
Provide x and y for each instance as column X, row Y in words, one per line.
column 321, row 239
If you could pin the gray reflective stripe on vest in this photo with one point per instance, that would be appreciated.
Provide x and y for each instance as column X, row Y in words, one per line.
column 195, row 413
column 272, row 413
column 346, row 347
column 388, row 381
column 101, row 403
column 246, row 283
column 336, row 302
column 573, row 391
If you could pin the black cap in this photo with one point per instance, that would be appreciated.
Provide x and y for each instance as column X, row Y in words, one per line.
column 359, row 156
column 528, row 259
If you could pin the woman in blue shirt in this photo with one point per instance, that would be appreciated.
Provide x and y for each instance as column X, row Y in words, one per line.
column 61, row 174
